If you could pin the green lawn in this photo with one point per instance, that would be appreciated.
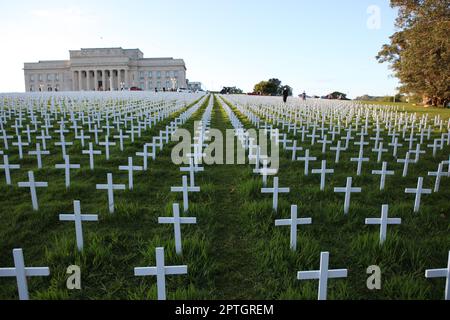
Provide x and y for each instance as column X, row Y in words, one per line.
column 234, row 251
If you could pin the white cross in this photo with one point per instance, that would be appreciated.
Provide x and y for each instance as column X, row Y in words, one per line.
column 96, row 131
column 417, row 152
column 43, row 137
column 441, row 273
column 418, row 192
column 107, row 144
column 323, row 274
column 21, row 273
column 380, row 151
column 185, row 189
column 406, row 163
column 91, row 153
column 63, row 145
column 265, row 171
column 275, row 190
column 435, row 145
column 20, row 146
column 383, row 222
column 383, row 172
column 121, row 136
column 160, row 271
column 324, row 143
column 130, row 168
column 447, row 162
column 38, row 153
column 5, row 138
column 192, row 169
column 67, row 166
column 82, row 137
column 110, row 187
column 395, row 144
column 307, row 159
column 322, row 171
column 33, row 185
column 145, row 154
column 177, row 221
column 338, row 150
column 294, row 150
column 360, row 161
column 348, row 190
column 293, row 222
column 7, row 167
column 438, row 174
column 77, row 217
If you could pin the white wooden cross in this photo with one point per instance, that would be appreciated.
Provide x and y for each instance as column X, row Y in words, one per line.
column 91, row 152
column 379, row 151
column 324, row 143
column 307, row 159
column 383, row 172
column 406, row 163
column 294, row 150
column 77, row 217
column 322, row 171
column 185, row 189
column 348, row 190
column 5, row 138
column 107, row 144
column 110, row 187
column 293, row 222
column 418, row 192
column 177, row 221
column 63, row 144
column 130, row 168
column 435, row 146
column 82, row 137
column 438, row 174
column 275, row 190
column 20, row 272
column 67, row 166
column 38, row 153
column 395, row 144
column 19, row 144
column 441, row 273
column 192, row 169
column 447, row 162
column 7, row 167
column 383, row 222
column 323, row 274
column 33, row 185
column 121, row 136
column 265, row 171
column 360, row 161
column 160, row 271
column 338, row 150
column 43, row 137
column 145, row 155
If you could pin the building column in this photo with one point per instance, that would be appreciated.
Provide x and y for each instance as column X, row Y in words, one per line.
column 127, row 83
column 73, row 80
column 88, row 80
column 80, row 84
column 95, row 80
column 119, row 79
column 111, row 74
column 103, row 80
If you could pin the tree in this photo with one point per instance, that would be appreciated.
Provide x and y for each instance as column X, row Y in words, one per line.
column 271, row 87
column 231, row 90
column 419, row 53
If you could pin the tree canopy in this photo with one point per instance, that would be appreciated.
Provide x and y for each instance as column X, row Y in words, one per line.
column 272, row 87
column 419, row 53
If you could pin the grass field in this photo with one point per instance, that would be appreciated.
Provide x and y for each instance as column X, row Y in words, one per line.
column 234, row 251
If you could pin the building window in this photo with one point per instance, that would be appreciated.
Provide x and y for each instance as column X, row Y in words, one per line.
column 141, row 75
column 56, row 76
column 167, row 74
column 176, row 73
column 158, row 74
column 158, row 84
column 149, row 74
column 40, row 77
column 32, row 78
column 171, row 74
column 49, row 77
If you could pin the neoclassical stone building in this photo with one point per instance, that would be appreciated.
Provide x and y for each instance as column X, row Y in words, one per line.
column 105, row 69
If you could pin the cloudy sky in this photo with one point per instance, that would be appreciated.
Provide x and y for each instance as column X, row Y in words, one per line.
column 315, row 45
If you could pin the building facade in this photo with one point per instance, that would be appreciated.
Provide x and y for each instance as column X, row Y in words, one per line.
column 105, row 69
column 194, row 86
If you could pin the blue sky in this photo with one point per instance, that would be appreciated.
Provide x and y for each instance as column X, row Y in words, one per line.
column 318, row 46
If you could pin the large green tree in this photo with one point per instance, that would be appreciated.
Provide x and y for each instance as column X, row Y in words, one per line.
column 272, row 87
column 419, row 53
